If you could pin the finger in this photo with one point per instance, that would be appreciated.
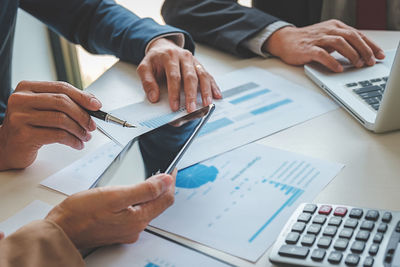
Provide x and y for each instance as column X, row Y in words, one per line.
column 149, row 81
column 1, row 235
column 205, row 84
column 151, row 209
column 146, row 191
column 217, row 94
column 62, row 103
column 339, row 44
column 173, row 74
column 320, row 55
column 82, row 98
column 54, row 119
column 46, row 136
column 354, row 38
column 378, row 52
column 190, row 80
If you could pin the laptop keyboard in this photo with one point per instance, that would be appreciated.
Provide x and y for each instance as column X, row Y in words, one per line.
column 371, row 91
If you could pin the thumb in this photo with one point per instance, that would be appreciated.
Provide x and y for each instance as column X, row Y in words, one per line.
column 146, row 191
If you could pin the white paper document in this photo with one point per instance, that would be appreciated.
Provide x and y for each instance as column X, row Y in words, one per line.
column 238, row 202
column 149, row 251
column 36, row 210
column 256, row 104
column 81, row 174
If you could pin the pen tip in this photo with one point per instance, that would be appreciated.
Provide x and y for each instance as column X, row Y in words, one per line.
column 127, row 124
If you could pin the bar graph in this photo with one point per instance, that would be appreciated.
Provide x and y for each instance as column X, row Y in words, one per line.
column 238, row 202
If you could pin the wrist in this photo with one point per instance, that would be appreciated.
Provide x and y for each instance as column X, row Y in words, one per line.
column 276, row 42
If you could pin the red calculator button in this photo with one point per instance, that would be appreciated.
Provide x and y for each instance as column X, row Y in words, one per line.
column 340, row 211
column 325, row 209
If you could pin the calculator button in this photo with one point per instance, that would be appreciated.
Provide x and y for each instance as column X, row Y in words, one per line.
column 298, row 227
column 318, row 254
column 352, row 260
column 320, row 219
column 368, row 262
column 308, row 240
column 378, row 238
column 335, row 257
column 325, row 209
column 335, row 221
column 292, row 238
column 382, row 228
column 340, row 211
column 356, row 213
column 362, row 235
column 358, row 247
column 373, row 249
column 372, row 215
column 341, row 244
column 310, row 208
column 304, row 217
column 387, row 217
column 351, row 223
column 346, row 233
column 293, row 251
column 330, row 230
column 314, row 229
column 367, row 225
column 324, row 242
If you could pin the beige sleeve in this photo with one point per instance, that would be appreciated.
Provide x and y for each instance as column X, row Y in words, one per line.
column 40, row 243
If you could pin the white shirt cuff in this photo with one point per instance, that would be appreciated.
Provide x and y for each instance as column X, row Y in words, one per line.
column 256, row 43
column 177, row 38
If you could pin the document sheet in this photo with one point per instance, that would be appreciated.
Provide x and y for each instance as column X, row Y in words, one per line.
column 256, row 104
column 81, row 174
column 238, row 202
column 149, row 251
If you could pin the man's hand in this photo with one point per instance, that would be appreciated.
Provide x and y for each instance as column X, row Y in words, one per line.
column 299, row 46
column 112, row 215
column 165, row 60
column 40, row 113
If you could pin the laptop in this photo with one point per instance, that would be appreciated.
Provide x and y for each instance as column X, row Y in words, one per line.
column 369, row 94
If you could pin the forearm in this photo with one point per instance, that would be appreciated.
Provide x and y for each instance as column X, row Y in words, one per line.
column 221, row 23
column 40, row 243
column 101, row 26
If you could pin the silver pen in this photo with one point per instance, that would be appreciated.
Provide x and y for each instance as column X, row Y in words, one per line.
column 107, row 117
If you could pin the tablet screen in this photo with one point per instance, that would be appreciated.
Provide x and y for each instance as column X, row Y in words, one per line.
column 156, row 151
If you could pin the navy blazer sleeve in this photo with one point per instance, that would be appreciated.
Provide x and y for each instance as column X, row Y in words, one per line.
column 101, row 26
column 223, row 24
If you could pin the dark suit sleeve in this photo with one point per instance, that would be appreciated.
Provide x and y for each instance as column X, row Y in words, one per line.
column 223, row 24
column 101, row 26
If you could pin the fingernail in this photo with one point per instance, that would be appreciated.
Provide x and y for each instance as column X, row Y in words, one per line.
column 359, row 63
column 95, row 102
column 175, row 105
column 80, row 146
column 167, row 181
column 208, row 100
column 371, row 61
column 380, row 55
column 92, row 125
column 153, row 96
column 192, row 106
column 219, row 93
column 88, row 136
column 339, row 68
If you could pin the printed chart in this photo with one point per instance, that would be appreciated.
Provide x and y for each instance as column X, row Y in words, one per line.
column 238, row 202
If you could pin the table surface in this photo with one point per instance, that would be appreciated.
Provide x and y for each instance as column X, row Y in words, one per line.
column 370, row 178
